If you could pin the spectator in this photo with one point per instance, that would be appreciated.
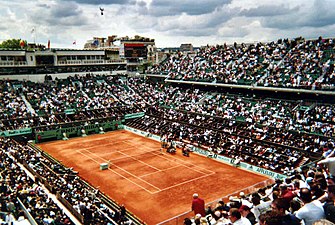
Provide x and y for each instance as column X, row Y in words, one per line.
column 198, row 205
column 270, row 218
column 281, row 206
column 259, row 207
column 286, row 193
column 244, row 200
column 187, row 221
column 329, row 207
column 312, row 210
column 246, row 212
column 9, row 219
column 323, row 222
column 329, row 164
column 295, row 205
column 236, row 217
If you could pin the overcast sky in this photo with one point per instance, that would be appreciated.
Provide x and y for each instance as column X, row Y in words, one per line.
column 169, row 22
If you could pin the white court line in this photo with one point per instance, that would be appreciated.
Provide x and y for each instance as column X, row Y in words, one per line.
column 102, row 145
column 160, row 171
column 118, row 173
column 200, row 168
column 197, row 178
column 129, row 156
column 158, row 154
column 116, row 142
column 181, row 162
column 125, row 171
column 125, row 157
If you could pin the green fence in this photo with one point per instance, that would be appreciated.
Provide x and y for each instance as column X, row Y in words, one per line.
column 134, row 115
column 10, row 133
column 75, row 131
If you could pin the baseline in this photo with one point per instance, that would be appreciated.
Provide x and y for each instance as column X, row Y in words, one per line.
column 179, row 163
column 140, row 186
column 123, row 170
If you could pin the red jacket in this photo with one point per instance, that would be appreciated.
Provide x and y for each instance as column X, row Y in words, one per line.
column 198, row 206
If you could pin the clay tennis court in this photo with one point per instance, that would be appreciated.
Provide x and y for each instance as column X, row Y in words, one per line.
column 153, row 186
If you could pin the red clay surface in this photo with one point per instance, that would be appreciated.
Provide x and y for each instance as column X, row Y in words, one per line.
column 153, row 186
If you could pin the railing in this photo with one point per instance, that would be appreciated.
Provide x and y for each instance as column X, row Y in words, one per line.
column 115, row 61
column 31, row 220
column 12, row 63
column 115, row 206
column 52, row 190
column 69, row 206
column 179, row 219
column 73, row 129
column 90, row 62
column 310, row 164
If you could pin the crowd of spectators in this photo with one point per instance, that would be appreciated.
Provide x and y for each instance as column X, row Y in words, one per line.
column 275, row 134
column 306, row 197
column 220, row 136
column 270, row 128
column 296, row 63
column 11, row 104
column 55, row 102
column 274, row 131
column 17, row 185
column 278, row 113
column 63, row 181
column 74, row 93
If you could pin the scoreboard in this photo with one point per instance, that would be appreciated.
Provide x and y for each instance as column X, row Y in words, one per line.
column 135, row 50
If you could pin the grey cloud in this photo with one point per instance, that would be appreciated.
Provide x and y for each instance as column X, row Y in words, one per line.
column 43, row 6
column 60, row 15
column 193, row 32
column 140, row 8
column 3, row 27
column 236, row 32
column 141, row 4
column 221, row 15
column 188, row 25
column 61, row 11
column 190, row 7
column 319, row 14
column 104, row 2
column 268, row 10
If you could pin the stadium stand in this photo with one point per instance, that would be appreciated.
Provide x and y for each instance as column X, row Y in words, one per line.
column 286, row 134
column 298, row 63
column 17, row 187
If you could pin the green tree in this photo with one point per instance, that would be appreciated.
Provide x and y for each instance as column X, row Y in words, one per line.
column 13, row 44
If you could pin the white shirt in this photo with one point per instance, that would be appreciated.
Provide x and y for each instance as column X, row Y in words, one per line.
column 247, row 203
column 311, row 212
column 9, row 219
column 261, row 208
column 330, row 163
column 242, row 221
